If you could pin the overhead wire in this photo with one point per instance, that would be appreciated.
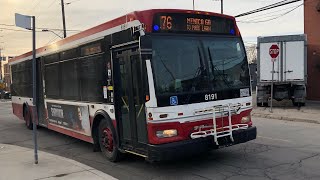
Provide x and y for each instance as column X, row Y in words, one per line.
column 67, row 3
column 36, row 4
column 52, row 19
column 53, row 29
column 51, row 4
column 275, row 5
column 262, row 8
column 273, row 18
column 18, row 30
column 270, row 12
column 54, row 38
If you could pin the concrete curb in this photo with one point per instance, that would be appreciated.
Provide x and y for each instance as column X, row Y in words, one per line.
column 284, row 118
column 18, row 163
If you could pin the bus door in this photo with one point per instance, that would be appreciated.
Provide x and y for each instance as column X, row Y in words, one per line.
column 130, row 99
column 40, row 93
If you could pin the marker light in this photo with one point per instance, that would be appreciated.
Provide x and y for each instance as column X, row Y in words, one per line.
column 167, row 133
column 150, row 116
column 245, row 119
column 232, row 32
column 156, row 28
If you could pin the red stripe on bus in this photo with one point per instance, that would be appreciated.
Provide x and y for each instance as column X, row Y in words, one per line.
column 17, row 110
column 70, row 133
column 91, row 121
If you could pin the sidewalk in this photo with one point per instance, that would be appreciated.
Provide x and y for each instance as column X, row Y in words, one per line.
column 285, row 111
column 18, row 163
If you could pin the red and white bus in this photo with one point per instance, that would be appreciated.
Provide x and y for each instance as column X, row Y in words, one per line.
column 158, row 83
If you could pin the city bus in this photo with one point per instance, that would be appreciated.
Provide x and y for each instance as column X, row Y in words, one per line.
column 159, row 83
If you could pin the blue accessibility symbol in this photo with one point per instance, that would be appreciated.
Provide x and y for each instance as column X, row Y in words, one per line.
column 173, row 100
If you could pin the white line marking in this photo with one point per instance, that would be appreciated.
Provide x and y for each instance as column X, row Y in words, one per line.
column 275, row 139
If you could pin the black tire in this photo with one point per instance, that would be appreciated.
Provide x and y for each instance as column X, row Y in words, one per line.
column 298, row 104
column 27, row 118
column 108, row 141
column 259, row 104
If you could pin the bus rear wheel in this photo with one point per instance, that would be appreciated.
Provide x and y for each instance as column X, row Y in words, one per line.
column 27, row 118
column 107, row 141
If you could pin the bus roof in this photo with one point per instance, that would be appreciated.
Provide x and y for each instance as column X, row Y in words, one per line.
column 145, row 16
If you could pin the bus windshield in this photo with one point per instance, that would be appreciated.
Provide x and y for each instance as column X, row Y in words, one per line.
column 198, row 64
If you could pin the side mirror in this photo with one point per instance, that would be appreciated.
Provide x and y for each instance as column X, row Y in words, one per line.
column 137, row 31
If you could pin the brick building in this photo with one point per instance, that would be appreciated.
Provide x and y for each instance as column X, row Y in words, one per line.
column 312, row 29
column 1, row 76
column 7, row 76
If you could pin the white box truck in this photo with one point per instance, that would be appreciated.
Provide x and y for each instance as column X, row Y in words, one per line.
column 289, row 54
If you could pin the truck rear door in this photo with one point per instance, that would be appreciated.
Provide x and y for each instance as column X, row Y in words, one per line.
column 293, row 61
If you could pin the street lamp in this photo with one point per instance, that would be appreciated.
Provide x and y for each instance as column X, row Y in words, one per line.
column 47, row 30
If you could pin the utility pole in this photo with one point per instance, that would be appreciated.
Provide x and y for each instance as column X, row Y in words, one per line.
column 193, row 4
column 221, row 6
column 29, row 22
column 34, row 92
column 63, row 20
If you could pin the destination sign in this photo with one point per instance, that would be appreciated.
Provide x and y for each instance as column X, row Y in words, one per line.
column 199, row 24
column 192, row 23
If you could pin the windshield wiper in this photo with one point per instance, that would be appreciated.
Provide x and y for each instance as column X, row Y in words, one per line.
column 200, row 72
column 167, row 68
column 214, row 68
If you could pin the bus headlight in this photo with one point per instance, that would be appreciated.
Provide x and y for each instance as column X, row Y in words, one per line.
column 167, row 133
column 245, row 119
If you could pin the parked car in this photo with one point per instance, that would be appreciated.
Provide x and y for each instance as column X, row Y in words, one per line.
column 5, row 95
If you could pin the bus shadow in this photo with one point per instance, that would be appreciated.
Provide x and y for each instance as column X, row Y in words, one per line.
column 130, row 166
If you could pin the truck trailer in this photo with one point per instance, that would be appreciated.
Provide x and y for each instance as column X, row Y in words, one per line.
column 289, row 55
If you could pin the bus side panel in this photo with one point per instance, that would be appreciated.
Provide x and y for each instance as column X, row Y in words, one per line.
column 17, row 105
column 17, row 110
column 70, row 133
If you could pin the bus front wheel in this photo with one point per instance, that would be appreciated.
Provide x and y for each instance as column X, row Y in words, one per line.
column 107, row 141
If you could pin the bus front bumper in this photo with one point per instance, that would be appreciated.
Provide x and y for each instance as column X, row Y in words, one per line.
column 196, row 146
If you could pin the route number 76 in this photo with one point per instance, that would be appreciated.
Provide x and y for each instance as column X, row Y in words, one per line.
column 166, row 22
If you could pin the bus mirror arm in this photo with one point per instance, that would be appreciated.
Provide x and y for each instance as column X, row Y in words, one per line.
column 137, row 32
column 141, row 32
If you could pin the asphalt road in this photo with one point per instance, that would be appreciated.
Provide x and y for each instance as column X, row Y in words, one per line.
column 283, row 150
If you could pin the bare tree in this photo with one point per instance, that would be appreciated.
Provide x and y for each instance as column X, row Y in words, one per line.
column 252, row 53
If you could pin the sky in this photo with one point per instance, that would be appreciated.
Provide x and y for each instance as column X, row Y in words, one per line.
column 84, row 14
